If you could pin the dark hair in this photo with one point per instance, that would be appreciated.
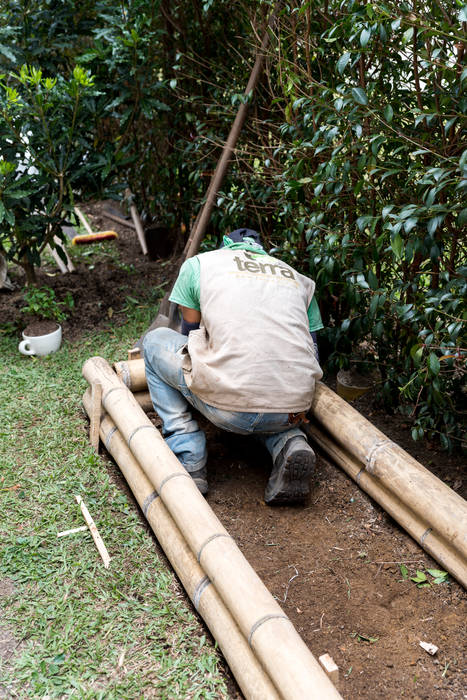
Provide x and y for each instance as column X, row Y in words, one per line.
column 239, row 234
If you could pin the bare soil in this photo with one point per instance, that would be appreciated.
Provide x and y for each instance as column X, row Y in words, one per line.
column 333, row 564
column 39, row 328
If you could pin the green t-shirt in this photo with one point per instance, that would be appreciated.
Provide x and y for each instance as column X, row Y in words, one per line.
column 186, row 290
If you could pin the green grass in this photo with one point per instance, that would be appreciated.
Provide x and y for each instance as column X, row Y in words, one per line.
column 84, row 631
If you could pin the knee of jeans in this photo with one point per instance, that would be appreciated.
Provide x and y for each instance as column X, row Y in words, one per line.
column 155, row 336
column 157, row 339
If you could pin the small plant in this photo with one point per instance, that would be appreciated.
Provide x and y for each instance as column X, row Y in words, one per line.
column 421, row 578
column 363, row 637
column 42, row 302
column 404, row 571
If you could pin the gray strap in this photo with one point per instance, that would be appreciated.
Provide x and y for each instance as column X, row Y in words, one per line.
column 110, row 435
column 148, row 500
column 425, row 535
column 199, row 590
column 261, row 621
column 172, row 476
column 210, row 539
column 140, row 427
column 125, row 374
column 371, row 456
column 107, row 393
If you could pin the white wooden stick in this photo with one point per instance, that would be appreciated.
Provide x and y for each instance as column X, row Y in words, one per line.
column 59, row 244
column 63, row 533
column 96, row 392
column 139, row 229
column 60, row 264
column 94, row 532
column 331, row 668
column 83, row 220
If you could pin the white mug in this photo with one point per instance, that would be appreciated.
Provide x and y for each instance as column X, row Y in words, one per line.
column 41, row 344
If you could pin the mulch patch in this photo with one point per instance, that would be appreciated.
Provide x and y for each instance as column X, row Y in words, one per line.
column 333, row 564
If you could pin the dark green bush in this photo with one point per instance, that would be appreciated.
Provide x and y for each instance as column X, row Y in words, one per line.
column 43, row 152
column 351, row 163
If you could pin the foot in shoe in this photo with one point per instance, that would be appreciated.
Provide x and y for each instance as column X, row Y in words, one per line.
column 199, row 477
column 290, row 478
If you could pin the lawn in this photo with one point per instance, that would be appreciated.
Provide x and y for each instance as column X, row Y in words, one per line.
column 71, row 628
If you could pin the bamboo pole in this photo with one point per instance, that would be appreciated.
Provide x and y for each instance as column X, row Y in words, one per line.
column 142, row 397
column 59, row 244
column 144, row 400
column 95, row 415
column 432, row 542
column 440, row 511
column 426, row 495
column 269, row 632
column 132, row 373
column 196, row 235
column 251, row 678
column 167, row 309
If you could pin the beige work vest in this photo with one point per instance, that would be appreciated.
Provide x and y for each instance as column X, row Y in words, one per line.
column 253, row 351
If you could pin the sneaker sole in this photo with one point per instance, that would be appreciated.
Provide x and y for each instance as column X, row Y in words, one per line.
column 294, row 481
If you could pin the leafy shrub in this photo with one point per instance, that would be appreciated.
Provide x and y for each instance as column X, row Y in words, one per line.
column 365, row 190
column 351, row 164
column 42, row 153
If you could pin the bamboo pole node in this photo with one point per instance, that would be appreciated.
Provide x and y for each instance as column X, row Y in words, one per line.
column 122, row 370
column 210, row 539
column 262, row 620
column 148, row 501
column 199, row 590
column 109, row 437
column 171, row 476
column 370, row 458
column 425, row 535
column 107, row 393
column 101, row 548
column 357, row 478
column 96, row 403
column 140, row 427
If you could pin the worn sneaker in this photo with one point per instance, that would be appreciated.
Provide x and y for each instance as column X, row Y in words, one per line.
column 199, row 477
column 290, row 477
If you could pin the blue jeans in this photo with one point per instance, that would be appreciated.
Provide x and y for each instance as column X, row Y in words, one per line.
column 172, row 399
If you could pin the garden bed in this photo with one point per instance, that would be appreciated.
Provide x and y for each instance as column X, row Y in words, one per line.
column 339, row 566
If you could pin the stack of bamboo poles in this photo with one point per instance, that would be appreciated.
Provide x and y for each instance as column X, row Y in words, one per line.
column 432, row 513
column 267, row 656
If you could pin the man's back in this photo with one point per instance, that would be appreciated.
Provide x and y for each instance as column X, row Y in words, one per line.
column 253, row 351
